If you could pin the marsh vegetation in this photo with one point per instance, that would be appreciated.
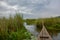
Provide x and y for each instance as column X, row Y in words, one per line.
column 12, row 28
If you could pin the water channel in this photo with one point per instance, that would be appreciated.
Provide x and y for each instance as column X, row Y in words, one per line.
column 32, row 29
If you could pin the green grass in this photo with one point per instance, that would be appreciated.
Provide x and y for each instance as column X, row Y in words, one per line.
column 12, row 28
column 50, row 23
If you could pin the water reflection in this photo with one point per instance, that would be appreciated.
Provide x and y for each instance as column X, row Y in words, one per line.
column 55, row 34
column 31, row 28
column 56, row 37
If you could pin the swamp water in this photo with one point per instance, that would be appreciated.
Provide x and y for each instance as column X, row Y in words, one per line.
column 32, row 29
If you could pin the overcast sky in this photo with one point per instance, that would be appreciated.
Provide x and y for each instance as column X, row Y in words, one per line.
column 30, row 8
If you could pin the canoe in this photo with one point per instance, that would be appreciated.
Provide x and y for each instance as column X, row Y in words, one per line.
column 44, row 35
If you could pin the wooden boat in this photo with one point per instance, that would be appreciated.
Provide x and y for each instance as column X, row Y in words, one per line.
column 44, row 35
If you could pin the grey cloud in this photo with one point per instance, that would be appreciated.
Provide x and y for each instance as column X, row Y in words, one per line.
column 38, row 8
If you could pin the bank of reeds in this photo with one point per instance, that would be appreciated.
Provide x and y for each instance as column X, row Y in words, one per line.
column 12, row 28
column 50, row 23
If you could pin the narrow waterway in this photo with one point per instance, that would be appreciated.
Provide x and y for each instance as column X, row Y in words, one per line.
column 32, row 29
